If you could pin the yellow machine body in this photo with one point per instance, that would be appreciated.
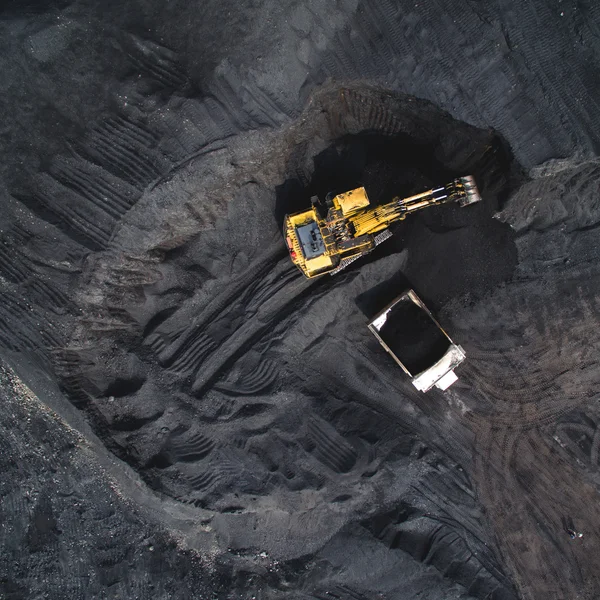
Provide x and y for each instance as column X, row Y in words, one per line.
column 325, row 239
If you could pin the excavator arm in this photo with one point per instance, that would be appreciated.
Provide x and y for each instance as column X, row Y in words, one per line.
column 462, row 191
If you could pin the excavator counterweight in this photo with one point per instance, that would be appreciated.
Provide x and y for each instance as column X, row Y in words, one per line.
column 329, row 236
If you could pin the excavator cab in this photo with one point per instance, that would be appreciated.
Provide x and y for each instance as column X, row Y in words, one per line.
column 311, row 240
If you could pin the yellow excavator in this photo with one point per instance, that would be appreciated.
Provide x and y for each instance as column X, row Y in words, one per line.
column 329, row 236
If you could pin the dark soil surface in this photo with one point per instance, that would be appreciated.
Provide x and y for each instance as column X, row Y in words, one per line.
column 183, row 415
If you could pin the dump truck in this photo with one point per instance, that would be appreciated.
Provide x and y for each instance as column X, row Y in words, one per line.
column 416, row 341
column 332, row 234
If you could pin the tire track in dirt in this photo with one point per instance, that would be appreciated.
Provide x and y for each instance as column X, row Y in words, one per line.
column 527, row 487
column 250, row 383
column 329, row 447
column 263, row 294
column 270, row 313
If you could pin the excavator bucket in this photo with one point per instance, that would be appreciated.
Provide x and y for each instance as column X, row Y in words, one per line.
column 472, row 194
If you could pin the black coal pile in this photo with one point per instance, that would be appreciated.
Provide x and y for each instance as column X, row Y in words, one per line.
column 185, row 415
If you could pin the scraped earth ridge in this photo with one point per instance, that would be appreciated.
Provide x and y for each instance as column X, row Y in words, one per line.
column 203, row 359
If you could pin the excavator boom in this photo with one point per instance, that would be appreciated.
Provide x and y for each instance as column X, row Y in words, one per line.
column 326, row 238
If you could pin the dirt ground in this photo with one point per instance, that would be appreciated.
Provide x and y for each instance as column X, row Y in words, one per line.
column 183, row 415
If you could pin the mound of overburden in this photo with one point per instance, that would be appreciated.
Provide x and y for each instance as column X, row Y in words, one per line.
column 185, row 415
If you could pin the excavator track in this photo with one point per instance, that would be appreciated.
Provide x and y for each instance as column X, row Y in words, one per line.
column 386, row 234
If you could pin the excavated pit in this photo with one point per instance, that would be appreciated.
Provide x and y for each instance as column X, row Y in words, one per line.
column 194, row 352
column 202, row 358
column 270, row 447
column 451, row 251
column 255, row 405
